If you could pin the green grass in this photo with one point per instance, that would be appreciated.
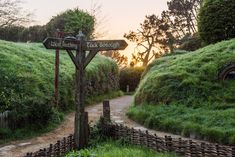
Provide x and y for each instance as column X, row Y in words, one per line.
column 115, row 149
column 208, row 123
column 182, row 94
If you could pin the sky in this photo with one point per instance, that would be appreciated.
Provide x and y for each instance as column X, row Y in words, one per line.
column 120, row 16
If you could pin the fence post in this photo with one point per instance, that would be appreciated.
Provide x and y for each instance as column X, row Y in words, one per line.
column 106, row 111
column 233, row 151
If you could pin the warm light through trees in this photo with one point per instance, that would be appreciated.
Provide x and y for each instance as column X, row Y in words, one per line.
column 11, row 14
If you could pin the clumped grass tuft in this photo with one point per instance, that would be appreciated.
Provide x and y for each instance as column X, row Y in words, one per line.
column 182, row 94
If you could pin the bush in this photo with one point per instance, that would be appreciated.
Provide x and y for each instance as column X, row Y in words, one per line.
column 130, row 76
column 217, row 20
column 191, row 44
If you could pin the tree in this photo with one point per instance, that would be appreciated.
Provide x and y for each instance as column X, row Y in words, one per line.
column 11, row 33
column 154, row 38
column 120, row 59
column 72, row 21
column 12, row 14
column 183, row 14
column 217, row 20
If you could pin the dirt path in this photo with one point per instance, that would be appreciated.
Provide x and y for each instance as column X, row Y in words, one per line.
column 118, row 106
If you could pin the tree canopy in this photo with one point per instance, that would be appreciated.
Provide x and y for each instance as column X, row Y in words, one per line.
column 217, row 20
column 72, row 21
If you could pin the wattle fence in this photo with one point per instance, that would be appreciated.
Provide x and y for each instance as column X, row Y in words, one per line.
column 59, row 149
column 186, row 148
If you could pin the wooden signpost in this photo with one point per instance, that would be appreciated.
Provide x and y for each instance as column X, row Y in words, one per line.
column 81, row 60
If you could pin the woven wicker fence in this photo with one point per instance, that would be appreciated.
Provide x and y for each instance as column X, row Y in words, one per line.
column 187, row 148
column 60, row 149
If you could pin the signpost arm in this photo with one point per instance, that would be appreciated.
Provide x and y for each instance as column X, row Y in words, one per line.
column 89, row 57
column 73, row 58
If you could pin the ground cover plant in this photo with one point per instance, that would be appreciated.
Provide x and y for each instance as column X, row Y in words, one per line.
column 27, row 85
column 182, row 94
column 117, row 149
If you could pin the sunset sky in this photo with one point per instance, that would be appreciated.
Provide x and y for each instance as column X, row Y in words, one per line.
column 120, row 15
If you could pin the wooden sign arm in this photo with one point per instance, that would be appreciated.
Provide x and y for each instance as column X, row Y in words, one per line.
column 73, row 58
column 89, row 57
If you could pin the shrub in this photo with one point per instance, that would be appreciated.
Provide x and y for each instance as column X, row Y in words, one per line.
column 191, row 44
column 217, row 20
column 131, row 77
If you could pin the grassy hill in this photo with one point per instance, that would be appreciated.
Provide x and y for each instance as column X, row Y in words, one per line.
column 181, row 93
column 27, row 83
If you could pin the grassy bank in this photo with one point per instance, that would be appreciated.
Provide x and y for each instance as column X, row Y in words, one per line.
column 27, row 87
column 116, row 149
column 182, row 94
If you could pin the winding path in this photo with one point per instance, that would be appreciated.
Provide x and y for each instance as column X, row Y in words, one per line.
column 118, row 106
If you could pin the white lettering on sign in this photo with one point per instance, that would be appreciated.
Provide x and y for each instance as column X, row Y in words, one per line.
column 64, row 44
column 103, row 44
column 92, row 45
column 69, row 44
column 55, row 44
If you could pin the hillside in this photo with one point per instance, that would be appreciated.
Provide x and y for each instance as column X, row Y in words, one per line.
column 189, row 78
column 181, row 93
column 27, row 83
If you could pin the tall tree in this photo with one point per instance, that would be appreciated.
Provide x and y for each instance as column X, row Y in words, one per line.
column 12, row 14
column 154, row 38
column 183, row 14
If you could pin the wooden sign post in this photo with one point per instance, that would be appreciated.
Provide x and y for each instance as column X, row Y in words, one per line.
column 81, row 60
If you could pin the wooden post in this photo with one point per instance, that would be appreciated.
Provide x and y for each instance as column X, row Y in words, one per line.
column 79, row 131
column 57, row 71
column 106, row 111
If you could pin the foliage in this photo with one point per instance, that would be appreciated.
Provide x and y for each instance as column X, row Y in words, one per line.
column 130, row 76
column 120, row 59
column 72, row 21
column 110, row 149
column 69, row 21
column 217, row 20
column 152, row 39
column 27, row 76
column 11, row 13
column 191, row 43
column 183, row 14
column 161, row 34
column 185, row 88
